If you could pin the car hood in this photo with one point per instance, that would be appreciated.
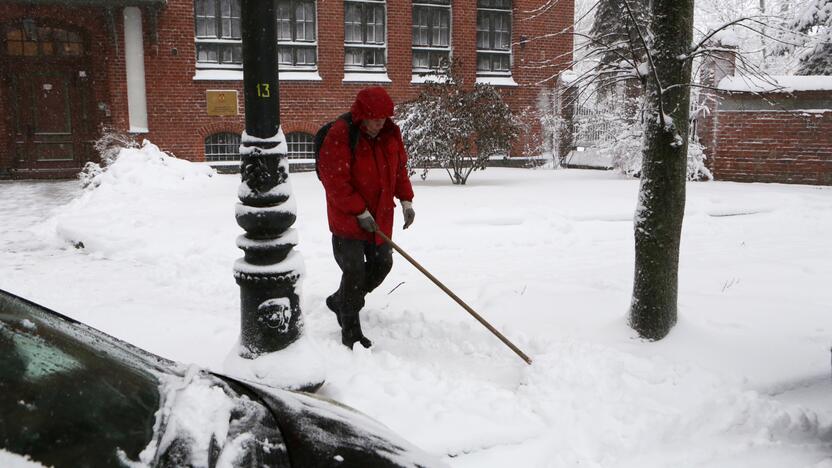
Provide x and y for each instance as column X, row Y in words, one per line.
column 201, row 418
column 319, row 431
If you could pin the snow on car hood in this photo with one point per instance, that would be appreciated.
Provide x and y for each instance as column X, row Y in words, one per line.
column 202, row 422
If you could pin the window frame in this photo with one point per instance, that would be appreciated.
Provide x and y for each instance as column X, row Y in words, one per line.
column 219, row 42
column 433, row 8
column 294, row 44
column 44, row 42
column 308, row 143
column 224, row 156
column 378, row 49
column 493, row 10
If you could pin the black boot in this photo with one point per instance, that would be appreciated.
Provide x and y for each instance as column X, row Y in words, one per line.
column 351, row 331
column 332, row 303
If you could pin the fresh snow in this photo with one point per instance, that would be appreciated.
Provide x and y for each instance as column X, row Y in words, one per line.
column 497, row 80
column 568, row 76
column 13, row 460
column 358, row 77
column 776, row 84
column 727, row 38
column 237, row 75
column 197, row 413
column 145, row 253
column 299, row 365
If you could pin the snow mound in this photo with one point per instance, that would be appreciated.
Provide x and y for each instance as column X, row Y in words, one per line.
column 143, row 168
column 126, row 207
column 298, row 366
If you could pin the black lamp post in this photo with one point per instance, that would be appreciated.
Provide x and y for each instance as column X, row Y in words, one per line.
column 269, row 273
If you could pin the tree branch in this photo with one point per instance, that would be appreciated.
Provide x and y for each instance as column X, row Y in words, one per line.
column 714, row 32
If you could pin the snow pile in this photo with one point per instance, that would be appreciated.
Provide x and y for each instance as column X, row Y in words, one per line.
column 300, row 365
column 127, row 206
column 147, row 168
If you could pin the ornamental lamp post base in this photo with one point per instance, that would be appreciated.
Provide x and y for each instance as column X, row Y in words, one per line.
column 272, row 348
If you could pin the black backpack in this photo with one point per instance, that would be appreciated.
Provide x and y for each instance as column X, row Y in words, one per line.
column 321, row 135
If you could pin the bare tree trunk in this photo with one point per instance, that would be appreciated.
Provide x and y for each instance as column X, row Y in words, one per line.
column 658, row 221
column 763, row 36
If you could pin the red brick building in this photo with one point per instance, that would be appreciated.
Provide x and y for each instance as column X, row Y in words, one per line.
column 170, row 70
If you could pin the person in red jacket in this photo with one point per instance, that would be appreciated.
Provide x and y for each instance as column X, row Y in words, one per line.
column 360, row 184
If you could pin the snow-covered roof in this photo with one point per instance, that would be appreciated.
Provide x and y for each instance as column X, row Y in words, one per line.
column 775, row 84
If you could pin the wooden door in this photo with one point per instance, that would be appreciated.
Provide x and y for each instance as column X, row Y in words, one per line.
column 47, row 94
column 46, row 132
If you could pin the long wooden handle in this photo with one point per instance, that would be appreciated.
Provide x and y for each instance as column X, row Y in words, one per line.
column 456, row 298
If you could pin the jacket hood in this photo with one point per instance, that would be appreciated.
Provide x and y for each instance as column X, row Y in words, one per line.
column 372, row 103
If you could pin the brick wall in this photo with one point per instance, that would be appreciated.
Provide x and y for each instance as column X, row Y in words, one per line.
column 177, row 107
column 771, row 136
column 785, row 146
column 177, row 114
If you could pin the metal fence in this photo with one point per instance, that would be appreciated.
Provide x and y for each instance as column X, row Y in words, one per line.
column 592, row 127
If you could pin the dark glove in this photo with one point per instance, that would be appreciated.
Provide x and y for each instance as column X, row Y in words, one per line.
column 366, row 221
column 409, row 213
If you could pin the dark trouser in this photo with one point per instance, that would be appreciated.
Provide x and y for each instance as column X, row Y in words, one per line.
column 364, row 265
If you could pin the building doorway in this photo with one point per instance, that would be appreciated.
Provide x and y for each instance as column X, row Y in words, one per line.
column 47, row 91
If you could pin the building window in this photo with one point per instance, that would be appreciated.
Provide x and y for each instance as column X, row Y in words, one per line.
column 30, row 40
column 218, row 40
column 365, row 35
column 222, row 147
column 494, row 37
column 431, row 34
column 301, row 145
column 296, row 34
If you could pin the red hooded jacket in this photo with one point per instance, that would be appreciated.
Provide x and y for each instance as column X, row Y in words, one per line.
column 368, row 179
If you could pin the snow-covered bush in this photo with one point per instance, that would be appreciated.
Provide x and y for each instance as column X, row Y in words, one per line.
column 108, row 146
column 456, row 127
column 625, row 149
column 123, row 158
column 613, row 126
column 696, row 162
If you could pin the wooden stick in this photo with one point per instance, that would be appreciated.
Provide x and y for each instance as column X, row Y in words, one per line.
column 456, row 298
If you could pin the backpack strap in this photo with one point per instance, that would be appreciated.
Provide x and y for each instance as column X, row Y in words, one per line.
column 354, row 130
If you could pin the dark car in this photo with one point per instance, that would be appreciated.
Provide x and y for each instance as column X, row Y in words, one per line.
column 72, row 396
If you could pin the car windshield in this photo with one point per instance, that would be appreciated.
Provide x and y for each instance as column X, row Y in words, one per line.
column 64, row 386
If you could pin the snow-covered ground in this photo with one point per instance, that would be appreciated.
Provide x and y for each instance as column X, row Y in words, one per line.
column 546, row 255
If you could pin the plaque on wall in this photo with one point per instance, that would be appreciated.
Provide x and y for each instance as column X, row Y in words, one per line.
column 222, row 102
